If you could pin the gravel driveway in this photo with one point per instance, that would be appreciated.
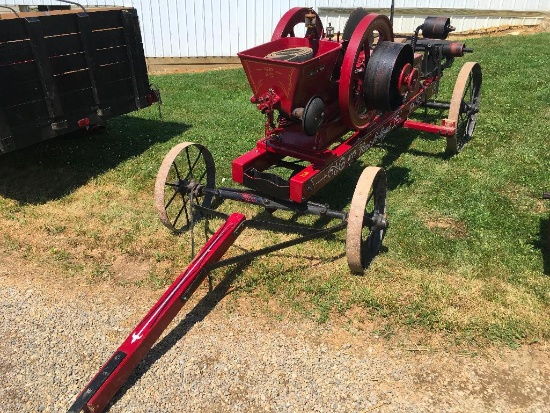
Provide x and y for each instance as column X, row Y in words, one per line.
column 55, row 334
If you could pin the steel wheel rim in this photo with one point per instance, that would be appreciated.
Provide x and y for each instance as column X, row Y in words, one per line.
column 367, row 219
column 465, row 105
column 468, row 110
column 184, row 172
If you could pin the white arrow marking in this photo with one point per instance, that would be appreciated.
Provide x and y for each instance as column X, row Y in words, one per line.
column 136, row 337
column 190, row 270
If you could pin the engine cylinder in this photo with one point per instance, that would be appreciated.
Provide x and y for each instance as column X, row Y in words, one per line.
column 437, row 28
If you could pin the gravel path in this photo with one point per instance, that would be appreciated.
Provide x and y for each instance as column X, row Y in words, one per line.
column 52, row 340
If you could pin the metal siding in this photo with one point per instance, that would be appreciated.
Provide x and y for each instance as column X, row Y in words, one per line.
column 172, row 25
column 201, row 28
column 165, row 44
column 233, row 23
column 220, row 38
column 242, row 25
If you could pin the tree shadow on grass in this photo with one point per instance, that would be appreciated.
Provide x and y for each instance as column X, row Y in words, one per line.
column 339, row 191
column 56, row 167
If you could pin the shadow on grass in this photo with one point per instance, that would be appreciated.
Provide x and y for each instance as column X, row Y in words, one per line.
column 196, row 315
column 56, row 167
column 338, row 193
column 401, row 140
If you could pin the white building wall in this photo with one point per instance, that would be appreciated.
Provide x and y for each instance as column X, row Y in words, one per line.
column 204, row 28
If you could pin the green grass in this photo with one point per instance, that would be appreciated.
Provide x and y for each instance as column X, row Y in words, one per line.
column 465, row 257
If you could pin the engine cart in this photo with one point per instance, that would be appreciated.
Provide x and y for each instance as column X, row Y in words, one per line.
column 327, row 98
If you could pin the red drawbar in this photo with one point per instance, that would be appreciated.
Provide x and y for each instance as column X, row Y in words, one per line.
column 146, row 333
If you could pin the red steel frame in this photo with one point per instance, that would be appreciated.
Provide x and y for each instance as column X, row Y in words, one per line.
column 284, row 86
column 331, row 162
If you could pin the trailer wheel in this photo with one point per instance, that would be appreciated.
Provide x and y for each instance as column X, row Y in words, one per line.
column 367, row 219
column 185, row 171
column 464, row 106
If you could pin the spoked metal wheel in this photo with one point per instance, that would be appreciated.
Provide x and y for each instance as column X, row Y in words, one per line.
column 465, row 105
column 367, row 219
column 292, row 18
column 371, row 30
column 185, row 171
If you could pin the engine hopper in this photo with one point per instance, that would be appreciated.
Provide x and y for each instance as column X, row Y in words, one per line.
column 294, row 82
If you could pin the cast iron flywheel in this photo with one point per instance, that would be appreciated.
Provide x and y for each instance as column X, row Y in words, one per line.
column 382, row 89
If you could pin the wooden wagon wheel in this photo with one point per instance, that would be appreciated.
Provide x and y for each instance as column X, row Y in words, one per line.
column 292, row 18
column 185, row 170
column 372, row 29
column 464, row 105
column 367, row 219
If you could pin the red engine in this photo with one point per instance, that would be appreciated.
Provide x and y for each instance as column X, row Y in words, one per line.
column 316, row 89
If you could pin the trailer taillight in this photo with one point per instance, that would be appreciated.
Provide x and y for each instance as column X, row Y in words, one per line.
column 151, row 98
column 83, row 122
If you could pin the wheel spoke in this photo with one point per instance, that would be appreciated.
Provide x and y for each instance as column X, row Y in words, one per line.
column 171, row 199
column 183, row 208
column 172, row 185
column 192, row 167
column 177, row 170
column 467, row 90
column 188, row 163
column 370, row 197
column 186, row 212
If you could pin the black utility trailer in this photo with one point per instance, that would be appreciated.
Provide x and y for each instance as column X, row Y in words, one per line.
column 66, row 70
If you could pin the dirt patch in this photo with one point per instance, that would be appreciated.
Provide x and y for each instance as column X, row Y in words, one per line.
column 127, row 269
column 447, row 227
column 502, row 31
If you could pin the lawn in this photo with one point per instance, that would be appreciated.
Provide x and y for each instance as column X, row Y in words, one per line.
column 465, row 260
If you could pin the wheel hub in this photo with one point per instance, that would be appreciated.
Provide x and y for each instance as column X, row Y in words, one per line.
column 378, row 222
column 190, row 187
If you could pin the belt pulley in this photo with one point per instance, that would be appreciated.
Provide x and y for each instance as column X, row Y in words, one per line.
column 383, row 89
